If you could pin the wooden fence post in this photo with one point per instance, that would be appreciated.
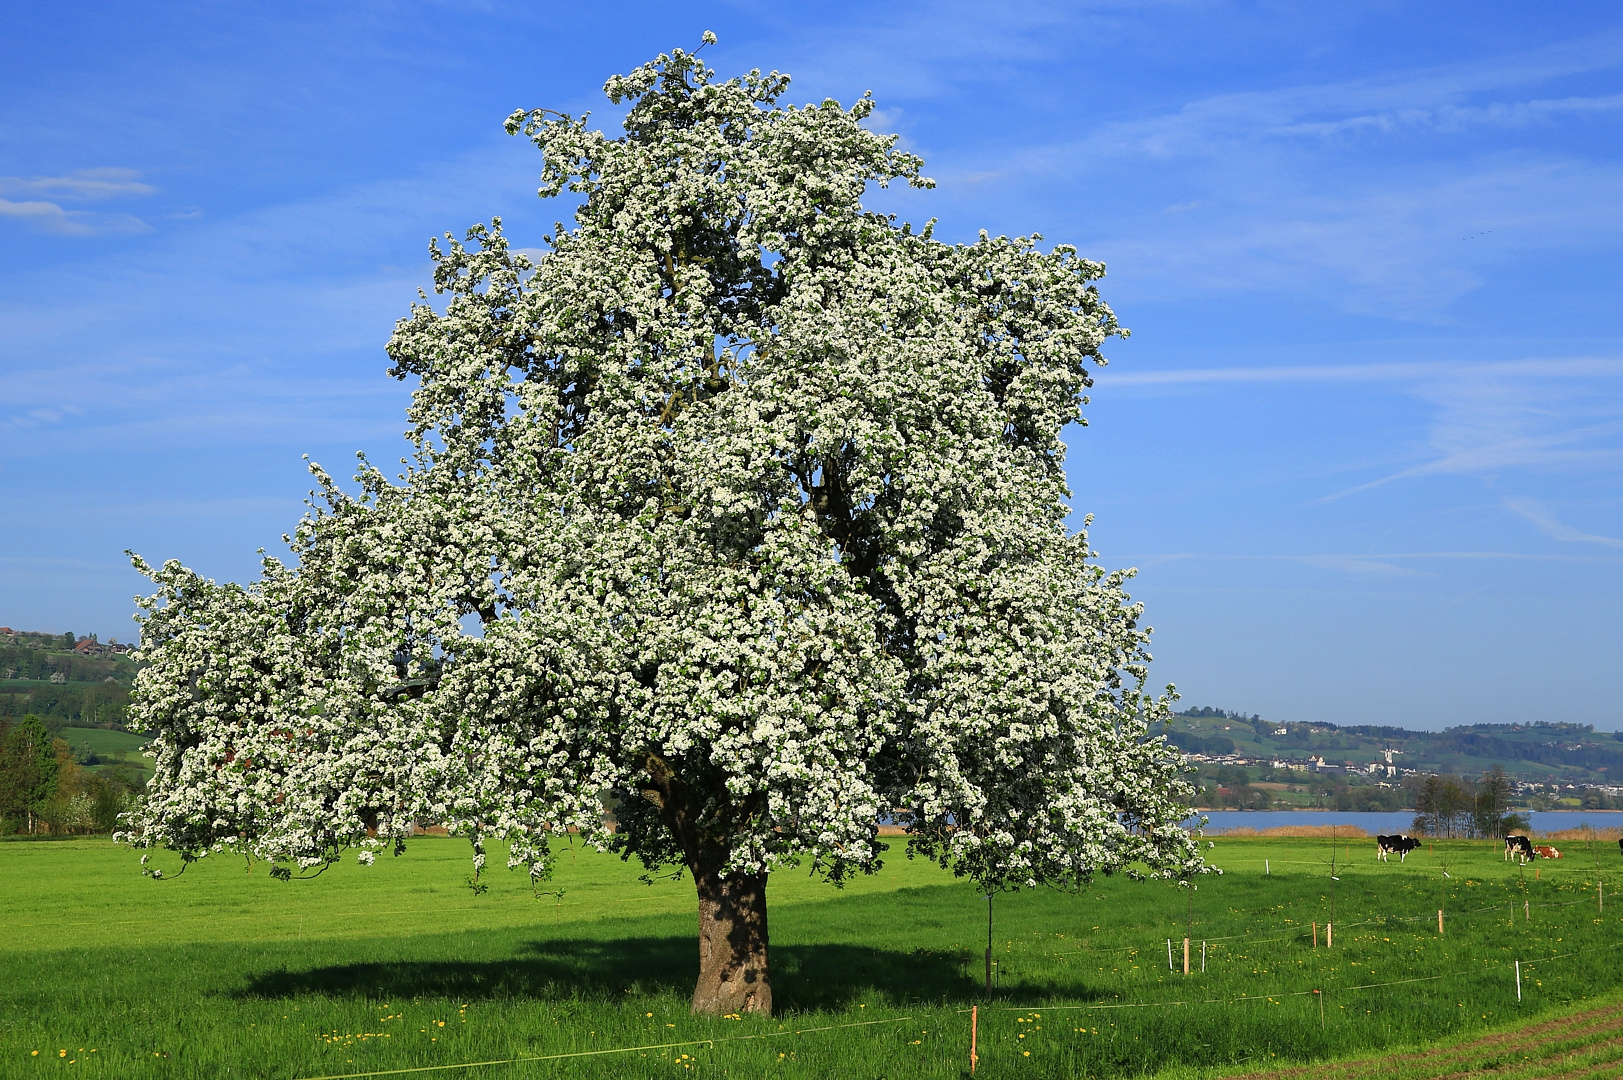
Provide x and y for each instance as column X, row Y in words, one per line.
column 974, row 1014
column 1186, row 956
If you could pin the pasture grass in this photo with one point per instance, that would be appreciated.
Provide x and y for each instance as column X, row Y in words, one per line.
column 106, row 742
column 222, row 972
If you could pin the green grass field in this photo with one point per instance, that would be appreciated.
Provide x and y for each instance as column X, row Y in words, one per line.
column 106, row 742
column 224, row 973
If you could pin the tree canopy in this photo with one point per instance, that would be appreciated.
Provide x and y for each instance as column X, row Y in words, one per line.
column 739, row 512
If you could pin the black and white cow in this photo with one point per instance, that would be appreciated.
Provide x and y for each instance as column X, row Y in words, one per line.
column 1402, row 845
column 1519, row 846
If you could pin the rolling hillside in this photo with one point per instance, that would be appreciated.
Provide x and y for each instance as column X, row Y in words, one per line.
column 1573, row 753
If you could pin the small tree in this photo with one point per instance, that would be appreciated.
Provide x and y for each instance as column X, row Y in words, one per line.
column 29, row 766
column 1493, row 816
column 757, row 499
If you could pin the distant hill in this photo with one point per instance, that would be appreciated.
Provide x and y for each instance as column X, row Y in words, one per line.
column 1574, row 753
column 64, row 679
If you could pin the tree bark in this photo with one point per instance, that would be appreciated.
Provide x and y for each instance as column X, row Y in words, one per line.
column 732, row 945
column 732, row 908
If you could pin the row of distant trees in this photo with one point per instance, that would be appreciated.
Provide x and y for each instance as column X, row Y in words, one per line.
column 43, row 790
column 1458, row 807
column 1231, row 786
column 90, row 704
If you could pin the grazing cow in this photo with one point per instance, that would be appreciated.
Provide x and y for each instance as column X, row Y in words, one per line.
column 1402, row 845
column 1519, row 846
column 1544, row 851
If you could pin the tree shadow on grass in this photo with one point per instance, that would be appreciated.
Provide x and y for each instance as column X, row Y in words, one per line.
column 804, row 977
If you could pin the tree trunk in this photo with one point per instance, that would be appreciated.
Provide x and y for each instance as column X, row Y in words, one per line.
column 732, row 908
column 732, row 945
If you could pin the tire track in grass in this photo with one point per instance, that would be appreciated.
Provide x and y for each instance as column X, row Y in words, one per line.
column 1573, row 1046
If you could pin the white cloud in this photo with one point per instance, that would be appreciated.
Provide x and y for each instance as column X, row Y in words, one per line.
column 1417, row 371
column 1503, row 420
column 1540, row 516
column 1458, row 118
column 1353, row 564
column 1356, row 191
column 82, row 184
column 1403, row 243
column 33, row 211
column 222, row 334
column 53, row 218
column 1445, row 97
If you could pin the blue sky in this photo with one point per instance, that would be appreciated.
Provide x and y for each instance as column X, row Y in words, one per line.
column 1364, row 445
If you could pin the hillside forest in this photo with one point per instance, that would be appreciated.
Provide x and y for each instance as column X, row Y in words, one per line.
column 67, row 764
column 1248, row 763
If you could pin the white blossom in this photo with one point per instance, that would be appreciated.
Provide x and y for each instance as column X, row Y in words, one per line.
column 757, row 500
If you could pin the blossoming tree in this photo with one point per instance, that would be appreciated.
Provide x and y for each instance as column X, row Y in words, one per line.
column 739, row 512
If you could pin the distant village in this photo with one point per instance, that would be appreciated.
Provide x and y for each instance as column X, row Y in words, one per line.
column 1550, row 760
column 84, row 646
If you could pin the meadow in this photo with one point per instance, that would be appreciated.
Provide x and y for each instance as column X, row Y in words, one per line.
column 223, row 972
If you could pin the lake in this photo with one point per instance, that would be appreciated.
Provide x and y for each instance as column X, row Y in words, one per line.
column 1219, row 821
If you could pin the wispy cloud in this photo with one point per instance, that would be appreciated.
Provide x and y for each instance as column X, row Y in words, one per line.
column 82, row 184
column 85, row 185
column 254, row 348
column 1383, row 562
column 1359, row 191
column 1357, row 565
column 1440, row 97
column 1545, row 452
column 54, row 218
column 1537, row 513
column 1459, row 118
column 1576, row 367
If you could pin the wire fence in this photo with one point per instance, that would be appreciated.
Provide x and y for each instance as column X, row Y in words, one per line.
column 1304, row 931
column 1320, row 992
column 613, row 1050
